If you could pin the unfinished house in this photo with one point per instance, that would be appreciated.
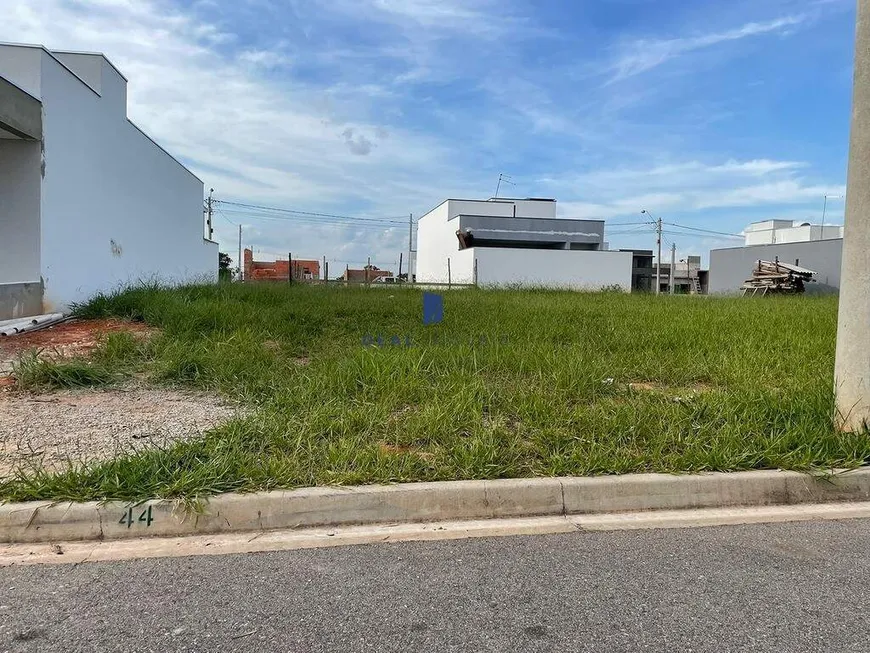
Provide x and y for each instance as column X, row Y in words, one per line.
column 367, row 274
column 88, row 202
column 279, row 270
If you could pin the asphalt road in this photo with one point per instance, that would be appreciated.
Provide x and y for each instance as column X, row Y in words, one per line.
column 786, row 587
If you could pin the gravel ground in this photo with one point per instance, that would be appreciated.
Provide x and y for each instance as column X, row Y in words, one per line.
column 85, row 425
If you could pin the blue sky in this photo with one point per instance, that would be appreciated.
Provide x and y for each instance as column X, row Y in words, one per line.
column 708, row 113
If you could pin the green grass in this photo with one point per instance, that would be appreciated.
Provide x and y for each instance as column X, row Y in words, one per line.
column 514, row 383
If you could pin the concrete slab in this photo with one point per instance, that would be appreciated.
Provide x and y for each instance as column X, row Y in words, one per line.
column 20, row 112
column 18, row 300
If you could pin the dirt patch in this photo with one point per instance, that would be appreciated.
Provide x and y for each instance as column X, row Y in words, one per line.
column 652, row 386
column 401, row 413
column 400, row 450
column 65, row 340
column 88, row 425
column 646, row 386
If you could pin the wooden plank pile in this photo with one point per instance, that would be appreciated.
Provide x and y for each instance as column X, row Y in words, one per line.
column 773, row 277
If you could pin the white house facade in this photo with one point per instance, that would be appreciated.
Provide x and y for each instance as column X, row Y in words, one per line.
column 521, row 242
column 88, row 202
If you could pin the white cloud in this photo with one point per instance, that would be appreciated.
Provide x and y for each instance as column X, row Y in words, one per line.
column 278, row 141
column 692, row 187
column 489, row 19
column 646, row 54
column 264, row 58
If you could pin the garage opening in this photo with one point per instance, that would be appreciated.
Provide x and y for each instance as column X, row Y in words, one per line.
column 20, row 181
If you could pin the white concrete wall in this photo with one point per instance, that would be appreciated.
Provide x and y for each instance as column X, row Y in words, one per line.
column 586, row 270
column 436, row 241
column 462, row 266
column 19, row 211
column 22, row 67
column 730, row 267
column 116, row 208
column 793, row 235
column 87, row 66
column 501, row 208
column 533, row 209
column 759, row 237
column 778, row 234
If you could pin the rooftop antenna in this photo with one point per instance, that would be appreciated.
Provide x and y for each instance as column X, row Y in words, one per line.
column 502, row 179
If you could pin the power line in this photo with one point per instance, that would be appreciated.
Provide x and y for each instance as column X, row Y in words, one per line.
column 628, row 224
column 371, row 224
column 259, row 213
column 694, row 234
column 260, row 207
column 643, row 230
column 708, row 231
column 220, row 212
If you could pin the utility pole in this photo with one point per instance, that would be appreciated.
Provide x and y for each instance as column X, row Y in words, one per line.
column 209, row 211
column 673, row 265
column 325, row 268
column 824, row 210
column 658, row 226
column 852, row 366
column 400, row 266
column 241, row 264
column 410, row 242
column 659, row 256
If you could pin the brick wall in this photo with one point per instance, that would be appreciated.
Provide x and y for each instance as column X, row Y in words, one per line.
column 279, row 270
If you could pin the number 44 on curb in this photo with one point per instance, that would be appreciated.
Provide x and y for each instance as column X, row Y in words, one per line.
column 127, row 518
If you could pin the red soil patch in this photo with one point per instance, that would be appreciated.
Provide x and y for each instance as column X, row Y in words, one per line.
column 65, row 340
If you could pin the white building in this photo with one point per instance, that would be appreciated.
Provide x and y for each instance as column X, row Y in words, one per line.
column 87, row 201
column 776, row 232
column 516, row 241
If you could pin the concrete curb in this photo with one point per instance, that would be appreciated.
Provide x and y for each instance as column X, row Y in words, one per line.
column 424, row 502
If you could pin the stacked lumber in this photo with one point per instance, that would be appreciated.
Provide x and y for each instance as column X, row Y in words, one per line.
column 773, row 277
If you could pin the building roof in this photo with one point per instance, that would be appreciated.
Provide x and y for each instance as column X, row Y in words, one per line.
column 506, row 200
column 92, row 54
column 521, row 217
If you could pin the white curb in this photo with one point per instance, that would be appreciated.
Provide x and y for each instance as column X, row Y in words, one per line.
column 424, row 502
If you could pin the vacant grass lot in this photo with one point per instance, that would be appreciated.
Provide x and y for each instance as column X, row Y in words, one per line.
column 513, row 383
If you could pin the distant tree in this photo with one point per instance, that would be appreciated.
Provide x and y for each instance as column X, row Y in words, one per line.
column 225, row 272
